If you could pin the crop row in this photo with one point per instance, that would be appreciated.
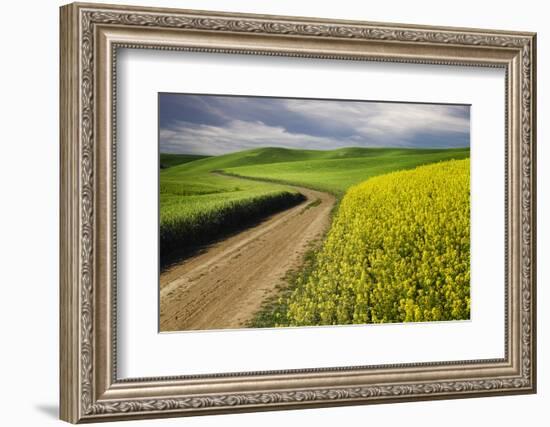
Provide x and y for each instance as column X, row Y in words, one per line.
column 186, row 222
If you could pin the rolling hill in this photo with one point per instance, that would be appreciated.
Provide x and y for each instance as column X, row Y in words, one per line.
column 168, row 160
column 335, row 171
column 203, row 198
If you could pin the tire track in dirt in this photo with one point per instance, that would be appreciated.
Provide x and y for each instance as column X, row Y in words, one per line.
column 223, row 287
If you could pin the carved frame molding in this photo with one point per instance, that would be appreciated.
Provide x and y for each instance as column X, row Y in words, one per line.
column 90, row 36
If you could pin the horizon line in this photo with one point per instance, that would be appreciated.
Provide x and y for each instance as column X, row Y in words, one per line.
column 309, row 149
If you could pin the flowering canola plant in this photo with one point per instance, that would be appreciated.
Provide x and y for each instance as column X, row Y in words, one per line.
column 398, row 251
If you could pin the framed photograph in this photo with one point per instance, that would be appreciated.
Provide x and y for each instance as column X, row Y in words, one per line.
column 267, row 212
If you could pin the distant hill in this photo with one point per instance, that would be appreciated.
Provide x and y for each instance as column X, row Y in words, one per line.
column 170, row 160
column 196, row 204
column 333, row 170
column 269, row 155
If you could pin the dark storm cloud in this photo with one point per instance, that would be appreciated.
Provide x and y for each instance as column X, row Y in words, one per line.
column 206, row 124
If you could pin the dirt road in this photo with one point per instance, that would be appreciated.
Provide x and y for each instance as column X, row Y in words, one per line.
column 225, row 286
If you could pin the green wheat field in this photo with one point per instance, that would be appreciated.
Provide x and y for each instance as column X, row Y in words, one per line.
column 398, row 246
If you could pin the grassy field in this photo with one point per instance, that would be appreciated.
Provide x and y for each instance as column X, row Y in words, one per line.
column 169, row 160
column 336, row 170
column 197, row 205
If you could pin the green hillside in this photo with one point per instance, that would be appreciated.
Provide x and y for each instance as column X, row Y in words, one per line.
column 267, row 155
column 336, row 170
column 168, row 160
column 197, row 204
column 197, row 207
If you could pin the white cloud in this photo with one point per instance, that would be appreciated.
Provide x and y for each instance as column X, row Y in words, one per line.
column 315, row 124
column 384, row 120
column 238, row 135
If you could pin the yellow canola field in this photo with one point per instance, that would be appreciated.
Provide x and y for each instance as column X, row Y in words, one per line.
column 398, row 251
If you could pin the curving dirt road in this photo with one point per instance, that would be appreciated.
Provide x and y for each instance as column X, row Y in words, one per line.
column 225, row 286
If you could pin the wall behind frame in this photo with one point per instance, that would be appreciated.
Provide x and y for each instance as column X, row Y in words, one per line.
column 29, row 171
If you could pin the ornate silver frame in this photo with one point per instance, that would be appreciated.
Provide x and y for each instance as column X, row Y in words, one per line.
column 90, row 36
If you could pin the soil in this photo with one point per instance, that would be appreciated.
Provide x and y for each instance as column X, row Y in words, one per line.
column 224, row 286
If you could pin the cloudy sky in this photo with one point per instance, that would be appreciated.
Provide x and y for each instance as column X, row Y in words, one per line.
column 214, row 125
